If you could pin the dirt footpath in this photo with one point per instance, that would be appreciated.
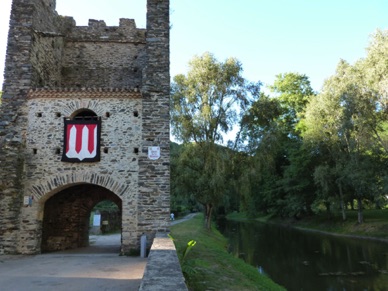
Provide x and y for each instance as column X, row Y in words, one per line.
column 187, row 217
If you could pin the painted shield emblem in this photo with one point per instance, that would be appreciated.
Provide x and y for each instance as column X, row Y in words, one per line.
column 82, row 140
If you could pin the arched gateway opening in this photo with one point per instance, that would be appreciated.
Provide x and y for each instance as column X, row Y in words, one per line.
column 66, row 219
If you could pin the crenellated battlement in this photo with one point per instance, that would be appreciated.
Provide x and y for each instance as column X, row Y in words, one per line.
column 97, row 30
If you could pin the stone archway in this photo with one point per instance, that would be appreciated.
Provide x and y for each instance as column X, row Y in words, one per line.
column 66, row 216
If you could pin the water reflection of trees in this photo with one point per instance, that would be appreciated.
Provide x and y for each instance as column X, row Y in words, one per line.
column 298, row 259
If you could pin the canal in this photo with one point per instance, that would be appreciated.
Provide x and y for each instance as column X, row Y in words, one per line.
column 303, row 260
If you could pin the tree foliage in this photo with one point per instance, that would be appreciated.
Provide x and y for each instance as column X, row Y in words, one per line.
column 348, row 121
column 204, row 106
column 204, row 103
column 297, row 152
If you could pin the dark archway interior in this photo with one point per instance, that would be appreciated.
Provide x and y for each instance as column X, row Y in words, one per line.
column 85, row 114
column 67, row 213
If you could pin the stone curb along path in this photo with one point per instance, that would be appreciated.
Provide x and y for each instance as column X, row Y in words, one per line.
column 163, row 271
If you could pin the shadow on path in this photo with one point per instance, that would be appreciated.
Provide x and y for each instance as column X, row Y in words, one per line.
column 97, row 267
column 98, row 244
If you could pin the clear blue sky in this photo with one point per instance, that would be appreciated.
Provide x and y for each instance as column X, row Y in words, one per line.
column 268, row 36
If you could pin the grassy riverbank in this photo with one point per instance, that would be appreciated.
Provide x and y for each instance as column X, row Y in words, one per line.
column 375, row 223
column 209, row 266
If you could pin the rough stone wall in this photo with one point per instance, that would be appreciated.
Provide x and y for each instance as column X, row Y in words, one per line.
column 46, row 50
column 46, row 59
column 120, row 112
column 46, row 44
column 101, row 56
column 154, row 176
column 17, row 81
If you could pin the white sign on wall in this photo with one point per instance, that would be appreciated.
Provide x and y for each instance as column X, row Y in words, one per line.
column 153, row 153
column 27, row 201
column 96, row 219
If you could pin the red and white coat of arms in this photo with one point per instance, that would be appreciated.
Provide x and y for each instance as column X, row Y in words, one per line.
column 82, row 140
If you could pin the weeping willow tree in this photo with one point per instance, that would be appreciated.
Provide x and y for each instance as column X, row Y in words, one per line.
column 201, row 174
column 205, row 105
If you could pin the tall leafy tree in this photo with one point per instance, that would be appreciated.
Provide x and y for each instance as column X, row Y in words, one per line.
column 375, row 71
column 293, row 91
column 205, row 104
column 344, row 119
column 269, row 127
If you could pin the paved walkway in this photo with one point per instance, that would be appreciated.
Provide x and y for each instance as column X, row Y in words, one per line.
column 97, row 267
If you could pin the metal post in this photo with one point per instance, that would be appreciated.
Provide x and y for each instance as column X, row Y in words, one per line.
column 143, row 246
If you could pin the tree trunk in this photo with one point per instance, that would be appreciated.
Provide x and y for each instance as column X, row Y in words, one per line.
column 208, row 215
column 328, row 209
column 360, row 215
column 342, row 203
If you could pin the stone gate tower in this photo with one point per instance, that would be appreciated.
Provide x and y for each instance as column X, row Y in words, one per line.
column 84, row 118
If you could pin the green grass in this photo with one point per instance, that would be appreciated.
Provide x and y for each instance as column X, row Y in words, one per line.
column 209, row 266
column 375, row 224
column 241, row 216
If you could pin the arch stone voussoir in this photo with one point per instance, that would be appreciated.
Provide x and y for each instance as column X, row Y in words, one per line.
column 58, row 182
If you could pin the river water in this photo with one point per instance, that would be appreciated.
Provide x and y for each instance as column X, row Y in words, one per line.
column 303, row 260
